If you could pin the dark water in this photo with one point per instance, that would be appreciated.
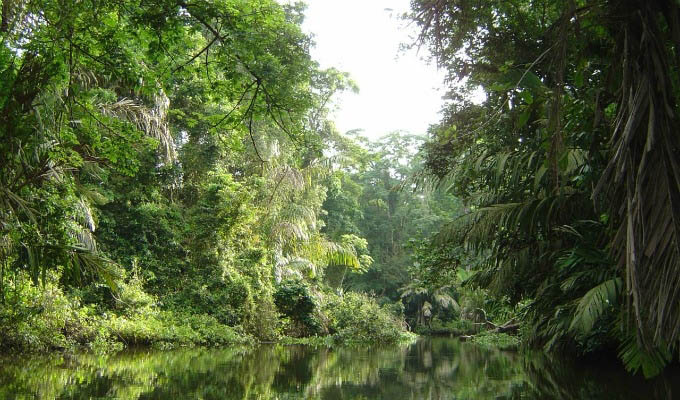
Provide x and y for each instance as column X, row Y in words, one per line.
column 436, row 368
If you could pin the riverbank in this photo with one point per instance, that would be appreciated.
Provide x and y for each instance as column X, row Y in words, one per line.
column 163, row 332
column 478, row 333
column 46, row 318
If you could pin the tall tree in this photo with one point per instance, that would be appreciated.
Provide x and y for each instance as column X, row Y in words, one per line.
column 556, row 163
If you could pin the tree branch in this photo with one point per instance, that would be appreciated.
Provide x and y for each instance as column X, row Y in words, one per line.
column 204, row 49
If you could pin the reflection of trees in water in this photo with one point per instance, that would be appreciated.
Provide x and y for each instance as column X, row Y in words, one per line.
column 132, row 375
column 445, row 368
column 428, row 369
column 557, row 378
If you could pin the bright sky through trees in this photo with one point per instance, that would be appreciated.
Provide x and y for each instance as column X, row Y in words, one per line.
column 398, row 91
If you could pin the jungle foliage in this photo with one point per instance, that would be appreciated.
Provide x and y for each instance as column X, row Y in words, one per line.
column 568, row 165
column 169, row 175
column 162, row 177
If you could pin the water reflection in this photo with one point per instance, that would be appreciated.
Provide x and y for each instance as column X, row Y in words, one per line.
column 428, row 369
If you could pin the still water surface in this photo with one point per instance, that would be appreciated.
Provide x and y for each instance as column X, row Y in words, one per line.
column 437, row 368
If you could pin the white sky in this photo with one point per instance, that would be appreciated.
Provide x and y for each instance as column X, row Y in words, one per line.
column 397, row 91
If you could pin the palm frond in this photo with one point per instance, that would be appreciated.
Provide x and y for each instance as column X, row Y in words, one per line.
column 286, row 175
column 152, row 121
column 284, row 231
column 293, row 268
column 413, row 289
column 12, row 202
column 636, row 357
column 337, row 254
column 642, row 178
column 84, row 214
column 84, row 263
column 445, row 300
column 595, row 303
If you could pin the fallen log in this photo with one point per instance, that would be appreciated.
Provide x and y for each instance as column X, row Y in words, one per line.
column 510, row 327
column 507, row 328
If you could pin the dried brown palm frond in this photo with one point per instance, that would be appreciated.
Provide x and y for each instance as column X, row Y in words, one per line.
column 85, row 77
column 642, row 179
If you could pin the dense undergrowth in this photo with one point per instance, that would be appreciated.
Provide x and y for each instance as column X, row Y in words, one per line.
column 46, row 318
column 39, row 318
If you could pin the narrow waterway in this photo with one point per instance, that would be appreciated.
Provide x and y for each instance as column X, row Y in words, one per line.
column 436, row 368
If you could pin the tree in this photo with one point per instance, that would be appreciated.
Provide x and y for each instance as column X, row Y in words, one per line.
column 572, row 115
column 372, row 195
column 182, row 138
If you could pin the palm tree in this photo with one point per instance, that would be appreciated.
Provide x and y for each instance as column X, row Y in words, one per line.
column 425, row 296
column 526, row 202
column 642, row 178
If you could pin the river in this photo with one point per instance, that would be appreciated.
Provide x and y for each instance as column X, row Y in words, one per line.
column 431, row 368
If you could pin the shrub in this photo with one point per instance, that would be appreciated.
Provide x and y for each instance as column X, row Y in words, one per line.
column 356, row 317
column 37, row 318
column 167, row 329
column 34, row 318
column 293, row 300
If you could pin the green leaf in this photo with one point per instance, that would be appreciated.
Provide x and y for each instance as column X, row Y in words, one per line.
column 636, row 357
column 578, row 79
column 539, row 176
column 523, row 118
column 594, row 303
